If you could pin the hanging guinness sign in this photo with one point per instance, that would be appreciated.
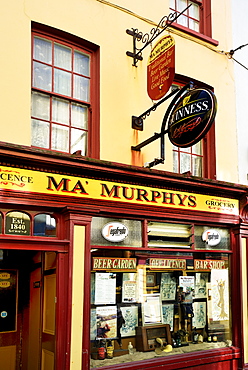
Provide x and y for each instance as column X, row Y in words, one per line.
column 192, row 117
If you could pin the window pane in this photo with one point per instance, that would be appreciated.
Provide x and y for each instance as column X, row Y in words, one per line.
column 79, row 116
column 81, row 63
column 44, row 225
column 183, row 20
column 194, row 11
column 172, row 4
column 42, row 76
column 62, row 82
column 81, row 88
column 60, row 111
column 40, row 133
column 62, row 57
column 197, row 166
column 40, row 106
column 60, row 138
column 193, row 25
column 184, row 162
column 43, row 50
column 78, row 141
column 175, row 162
column 197, row 148
column 181, row 5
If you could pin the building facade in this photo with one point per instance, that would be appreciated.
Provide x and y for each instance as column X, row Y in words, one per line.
column 119, row 247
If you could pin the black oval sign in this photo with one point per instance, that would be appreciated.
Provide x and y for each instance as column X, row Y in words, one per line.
column 192, row 117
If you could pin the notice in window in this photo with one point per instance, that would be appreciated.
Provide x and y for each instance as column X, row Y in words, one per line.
column 105, row 288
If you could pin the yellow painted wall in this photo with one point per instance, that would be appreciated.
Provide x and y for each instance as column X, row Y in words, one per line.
column 123, row 90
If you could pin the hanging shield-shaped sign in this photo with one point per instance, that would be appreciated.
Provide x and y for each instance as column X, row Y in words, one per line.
column 192, row 117
column 161, row 68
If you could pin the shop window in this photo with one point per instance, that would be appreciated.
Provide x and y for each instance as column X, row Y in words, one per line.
column 17, row 223
column 162, row 299
column 198, row 159
column 44, row 225
column 64, row 104
column 196, row 20
column 119, row 232
column 168, row 235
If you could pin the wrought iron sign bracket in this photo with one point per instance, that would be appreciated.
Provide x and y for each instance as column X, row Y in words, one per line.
column 147, row 38
column 137, row 122
column 163, row 131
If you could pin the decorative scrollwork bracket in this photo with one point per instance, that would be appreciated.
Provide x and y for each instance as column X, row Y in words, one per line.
column 147, row 38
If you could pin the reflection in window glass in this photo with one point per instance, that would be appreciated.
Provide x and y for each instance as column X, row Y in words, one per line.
column 44, row 225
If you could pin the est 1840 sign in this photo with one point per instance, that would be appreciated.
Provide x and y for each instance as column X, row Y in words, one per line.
column 192, row 117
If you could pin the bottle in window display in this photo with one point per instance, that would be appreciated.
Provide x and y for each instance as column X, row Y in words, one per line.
column 110, row 349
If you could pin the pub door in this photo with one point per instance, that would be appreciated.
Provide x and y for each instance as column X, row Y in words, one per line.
column 27, row 310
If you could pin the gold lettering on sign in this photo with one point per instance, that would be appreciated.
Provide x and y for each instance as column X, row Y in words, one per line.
column 209, row 264
column 104, row 263
column 4, row 284
column 160, row 263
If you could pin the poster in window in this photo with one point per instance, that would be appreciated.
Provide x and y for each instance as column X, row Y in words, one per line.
column 105, row 288
column 129, row 287
column 199, row 318
column 152, row 309
column 220, row 294
column 201, row 279
column 130, row 315
column 168, row 287
column 168, row 314
column 187, row 283
column 106, row 317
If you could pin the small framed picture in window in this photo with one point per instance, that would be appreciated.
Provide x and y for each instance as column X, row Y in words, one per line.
column 151, row 279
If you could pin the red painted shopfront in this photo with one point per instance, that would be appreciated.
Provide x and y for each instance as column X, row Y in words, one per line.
column 163, row 264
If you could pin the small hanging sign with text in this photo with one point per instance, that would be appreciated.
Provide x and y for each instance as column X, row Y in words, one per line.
column 161, row 68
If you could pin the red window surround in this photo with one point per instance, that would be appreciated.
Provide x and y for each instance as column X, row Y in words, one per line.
column 76, row 43
column 205, row 24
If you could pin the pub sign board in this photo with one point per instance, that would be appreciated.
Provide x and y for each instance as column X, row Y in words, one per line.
column 192, row 117
column 161, row 68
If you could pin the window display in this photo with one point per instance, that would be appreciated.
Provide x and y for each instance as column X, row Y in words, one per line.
column 161, row 301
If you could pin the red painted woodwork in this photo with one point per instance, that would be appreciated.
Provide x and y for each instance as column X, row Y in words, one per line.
column 205, row 33
column 222, row 359
column 72, row 212
column 53, row 34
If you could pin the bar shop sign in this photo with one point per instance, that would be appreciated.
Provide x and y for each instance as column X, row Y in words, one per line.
column 114, row 232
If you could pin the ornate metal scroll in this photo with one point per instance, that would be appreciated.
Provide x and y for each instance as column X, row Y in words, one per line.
column 147, row 38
